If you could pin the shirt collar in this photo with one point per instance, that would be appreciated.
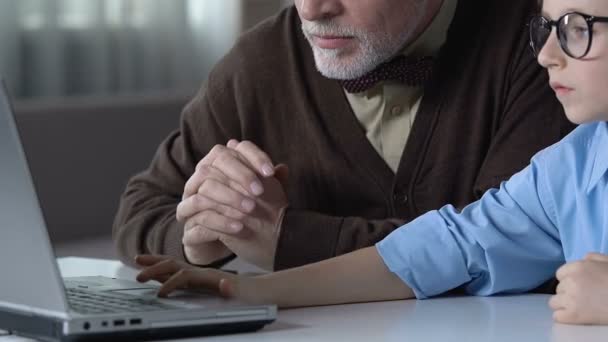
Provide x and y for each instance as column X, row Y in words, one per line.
column 600, row 158
column 427, row 44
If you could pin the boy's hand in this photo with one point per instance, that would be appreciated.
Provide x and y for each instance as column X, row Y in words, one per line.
column 175, row 275
column 582, row 293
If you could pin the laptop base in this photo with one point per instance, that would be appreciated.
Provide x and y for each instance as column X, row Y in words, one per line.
column 45, row 329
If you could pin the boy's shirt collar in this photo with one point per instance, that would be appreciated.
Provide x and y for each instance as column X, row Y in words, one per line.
column 600, row 159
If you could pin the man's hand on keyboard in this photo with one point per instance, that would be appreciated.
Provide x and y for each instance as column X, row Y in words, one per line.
column 175, row 275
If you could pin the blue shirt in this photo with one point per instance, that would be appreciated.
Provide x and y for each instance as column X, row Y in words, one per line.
column 514, row 238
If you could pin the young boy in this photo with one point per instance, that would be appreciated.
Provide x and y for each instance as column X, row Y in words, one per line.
column 512, row 240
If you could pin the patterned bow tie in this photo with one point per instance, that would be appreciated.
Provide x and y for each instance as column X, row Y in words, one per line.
column 413, row 72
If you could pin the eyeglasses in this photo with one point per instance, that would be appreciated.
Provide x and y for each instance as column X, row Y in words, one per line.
column 574, row 33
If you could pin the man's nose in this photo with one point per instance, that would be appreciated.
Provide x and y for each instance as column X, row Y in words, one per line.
column 314, row 10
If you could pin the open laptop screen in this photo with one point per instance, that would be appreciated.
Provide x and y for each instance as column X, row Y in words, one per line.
column 30, row 279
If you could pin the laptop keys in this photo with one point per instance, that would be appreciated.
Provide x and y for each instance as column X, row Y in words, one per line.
column 91, row 302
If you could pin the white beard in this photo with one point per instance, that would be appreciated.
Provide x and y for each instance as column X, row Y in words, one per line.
column 372, row 48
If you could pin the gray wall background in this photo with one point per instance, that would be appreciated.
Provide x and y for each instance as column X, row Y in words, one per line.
column 83, row 146
column 54, row 48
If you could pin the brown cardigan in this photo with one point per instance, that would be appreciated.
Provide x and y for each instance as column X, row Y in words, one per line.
column 486, row 111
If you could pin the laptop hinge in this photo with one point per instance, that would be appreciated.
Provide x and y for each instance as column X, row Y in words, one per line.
column 31, row 311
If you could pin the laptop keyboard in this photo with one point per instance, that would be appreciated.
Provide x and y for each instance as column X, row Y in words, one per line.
column 92, row 302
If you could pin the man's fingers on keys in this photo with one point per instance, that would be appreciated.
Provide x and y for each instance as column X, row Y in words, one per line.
column 175, row 282
column 165, row 267
column 227, row 288
column 191, row 278
column 260, row 161
column 149, row 259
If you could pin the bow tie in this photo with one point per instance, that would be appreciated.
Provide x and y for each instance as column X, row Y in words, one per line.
column 411, row 71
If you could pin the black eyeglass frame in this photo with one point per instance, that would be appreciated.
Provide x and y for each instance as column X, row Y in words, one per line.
column 589, row 19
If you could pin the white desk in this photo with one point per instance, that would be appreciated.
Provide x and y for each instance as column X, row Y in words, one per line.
column 514, row 318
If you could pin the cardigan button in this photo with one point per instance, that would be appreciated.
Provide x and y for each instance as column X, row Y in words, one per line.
column 400, row 198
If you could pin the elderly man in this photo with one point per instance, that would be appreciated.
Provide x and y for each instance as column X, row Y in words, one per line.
column 333, row 123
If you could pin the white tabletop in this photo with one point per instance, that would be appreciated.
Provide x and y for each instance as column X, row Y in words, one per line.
column 510, row 318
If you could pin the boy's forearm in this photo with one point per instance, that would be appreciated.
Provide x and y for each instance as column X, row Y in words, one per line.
column 360, row 276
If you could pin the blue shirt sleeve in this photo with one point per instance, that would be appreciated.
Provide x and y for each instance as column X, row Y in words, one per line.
column 507, row 242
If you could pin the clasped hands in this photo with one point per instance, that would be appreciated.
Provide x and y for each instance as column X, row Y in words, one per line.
column 233, row 203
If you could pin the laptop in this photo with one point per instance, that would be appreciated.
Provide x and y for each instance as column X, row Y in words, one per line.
column 36, row 302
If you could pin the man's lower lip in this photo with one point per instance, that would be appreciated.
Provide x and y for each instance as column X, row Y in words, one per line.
column 331, row 42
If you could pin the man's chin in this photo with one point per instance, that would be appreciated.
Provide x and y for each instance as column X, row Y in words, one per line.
column 337, row 74
column 340, row 67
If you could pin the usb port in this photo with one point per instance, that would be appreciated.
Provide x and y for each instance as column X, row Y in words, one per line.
column 135, row 321
column 119, row 322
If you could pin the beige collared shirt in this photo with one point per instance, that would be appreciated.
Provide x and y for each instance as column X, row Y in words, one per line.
column 387, row 111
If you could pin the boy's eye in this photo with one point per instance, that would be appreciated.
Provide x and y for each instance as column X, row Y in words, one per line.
column 578, row 32
column 581, row 30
